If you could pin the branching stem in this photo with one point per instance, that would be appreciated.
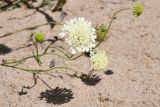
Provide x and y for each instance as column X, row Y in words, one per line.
column 111, row 21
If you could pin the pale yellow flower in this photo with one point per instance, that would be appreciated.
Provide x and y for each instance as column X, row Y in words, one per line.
column 79, row 34
column 99, row 60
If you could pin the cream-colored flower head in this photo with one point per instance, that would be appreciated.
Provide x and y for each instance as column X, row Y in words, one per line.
column 99, row 60
column 79, row 34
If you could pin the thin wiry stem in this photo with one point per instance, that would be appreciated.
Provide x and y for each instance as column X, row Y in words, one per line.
column 40, row 70
column 111, row 21
column 114, row 15
column 29, row 57
column 31, row 27
column 47, row 48
column 58, row 49
column 65, row 56
column 90, row 73
column 37, row 57
column 18, row 61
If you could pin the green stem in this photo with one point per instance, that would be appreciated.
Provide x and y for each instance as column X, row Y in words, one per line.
column 114, row 15
column 37, row 49
column 64, row 57
column 37, row 57
column 77, row 57
column 32, row 27
column 33, row 56
column 58, row 49
column 111, row 21
column 29, row 57
column 98, row 44
column 17, row 61
column 90, row 73
column 39, row 70
column 47, row 48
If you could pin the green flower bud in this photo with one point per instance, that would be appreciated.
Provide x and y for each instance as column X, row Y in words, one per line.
column 101, row 33
column 137, row 10
column 39, row 36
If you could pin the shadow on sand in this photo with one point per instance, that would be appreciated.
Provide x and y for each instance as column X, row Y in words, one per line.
column 93, row 80
column 4, row 49
column 57, row 96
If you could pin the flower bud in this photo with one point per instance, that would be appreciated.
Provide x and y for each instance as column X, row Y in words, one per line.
column 137, row 10
column 39, row 36
column 101, row 33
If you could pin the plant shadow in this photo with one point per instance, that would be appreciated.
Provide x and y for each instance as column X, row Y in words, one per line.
column 10, row 5
column 23, row 92
column 57, row 96
column 4, row 49
column 109, row 72
column 48, row 17
column 23, row 47
column 53, row 96
column 92, row 81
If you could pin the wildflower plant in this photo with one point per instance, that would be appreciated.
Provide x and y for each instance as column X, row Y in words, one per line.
column 81, row 37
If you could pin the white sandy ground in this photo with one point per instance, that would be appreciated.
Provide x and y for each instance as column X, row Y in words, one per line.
column 133, row 49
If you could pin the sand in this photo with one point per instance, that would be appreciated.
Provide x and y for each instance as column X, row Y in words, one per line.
column 132, row 78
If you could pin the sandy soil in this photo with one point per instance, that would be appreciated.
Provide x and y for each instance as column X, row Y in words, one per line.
column 133, row 75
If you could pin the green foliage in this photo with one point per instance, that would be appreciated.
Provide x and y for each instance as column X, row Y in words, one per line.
column 101, row 33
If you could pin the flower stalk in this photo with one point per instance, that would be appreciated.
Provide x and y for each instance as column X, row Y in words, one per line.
column 90, row 73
